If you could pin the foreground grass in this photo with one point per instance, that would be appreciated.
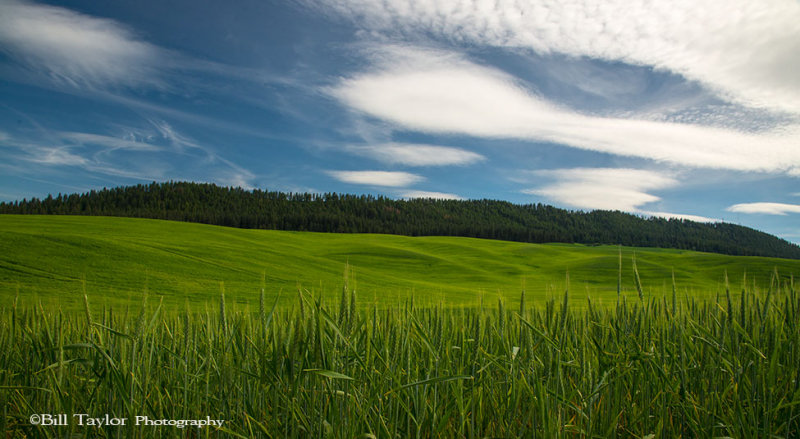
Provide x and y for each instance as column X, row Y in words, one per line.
column 645, row 368
column 58, row 259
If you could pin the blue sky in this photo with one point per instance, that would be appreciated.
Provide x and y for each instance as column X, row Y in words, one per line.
column 676, row 109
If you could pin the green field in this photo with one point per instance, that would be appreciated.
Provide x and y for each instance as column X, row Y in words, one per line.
column 386, row 336
column 648, row 368
column 114, row 260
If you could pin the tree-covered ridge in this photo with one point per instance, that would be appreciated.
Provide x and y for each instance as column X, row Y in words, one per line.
column 537, row 223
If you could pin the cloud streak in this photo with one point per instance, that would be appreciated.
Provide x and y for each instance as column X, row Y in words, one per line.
column 621, row 189
column 602, row 188
column 139, row 154
column 417, row 154
column 76, row 49
column 443, row 93
column 376, row 178
column 765, row 208
column 433, row 195
column 745, row 51
column 60, row 156
column 680, row 216
column 110, row 143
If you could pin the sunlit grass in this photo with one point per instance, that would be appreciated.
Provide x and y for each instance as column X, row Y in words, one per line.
column 56, row 259
column 652, row 367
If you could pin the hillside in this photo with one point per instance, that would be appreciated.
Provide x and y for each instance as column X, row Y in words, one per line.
column 56, row 258
column 534, row 223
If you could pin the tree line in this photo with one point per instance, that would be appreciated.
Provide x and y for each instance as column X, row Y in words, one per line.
column 341, row 213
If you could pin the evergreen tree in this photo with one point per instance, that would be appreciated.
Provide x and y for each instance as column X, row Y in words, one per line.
column 343, row 213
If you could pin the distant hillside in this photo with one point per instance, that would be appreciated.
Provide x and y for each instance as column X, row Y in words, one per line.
column 535, row 223
column 58, row 258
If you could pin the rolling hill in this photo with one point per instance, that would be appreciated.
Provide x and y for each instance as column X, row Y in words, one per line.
column 56, row 258
column 337, row 213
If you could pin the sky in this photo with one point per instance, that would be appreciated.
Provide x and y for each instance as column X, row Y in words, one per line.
column 685, row 109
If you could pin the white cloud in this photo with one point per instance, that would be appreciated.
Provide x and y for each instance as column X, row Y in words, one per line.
column 696, row 218
column 229, row 174
column 609, row 189
column 111, row 143
column 74, row 48
column 173, row 136
column 376, row 178
column 417, row 154
column 234, row 178
column 602, row 188
column 60, row 156
column 434, row 195
column 765, row 208
column 100, row 160
column 122, row 157
column 745, row 50
column 439, row 92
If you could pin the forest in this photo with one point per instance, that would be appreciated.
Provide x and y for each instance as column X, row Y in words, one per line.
column 342, row 213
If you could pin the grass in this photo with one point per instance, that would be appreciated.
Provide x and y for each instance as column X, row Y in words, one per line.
column 350, row 336
column 58, row 259
column 649, row 368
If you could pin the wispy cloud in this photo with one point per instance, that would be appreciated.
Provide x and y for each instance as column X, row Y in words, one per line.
column 621, row 189
column 417, row 154
column 377, row 178
column 175, row 138
column 233, row 178
column 151, row 153
column 682, row 216
column 441, row 92
column 223, row 171
column 232, row 174
column 76, row 49
column 94, row 154
column 428, row 194
column 602, row 188
column 110, row 142
column 743, row 50
column 61, row 156
column 765, row 208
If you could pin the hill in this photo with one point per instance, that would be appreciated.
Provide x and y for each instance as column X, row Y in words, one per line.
column 57, row 258
column 534, row 223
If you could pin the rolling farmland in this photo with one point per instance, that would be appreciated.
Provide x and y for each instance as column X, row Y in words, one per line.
column 114, row 260
column 296, row 335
